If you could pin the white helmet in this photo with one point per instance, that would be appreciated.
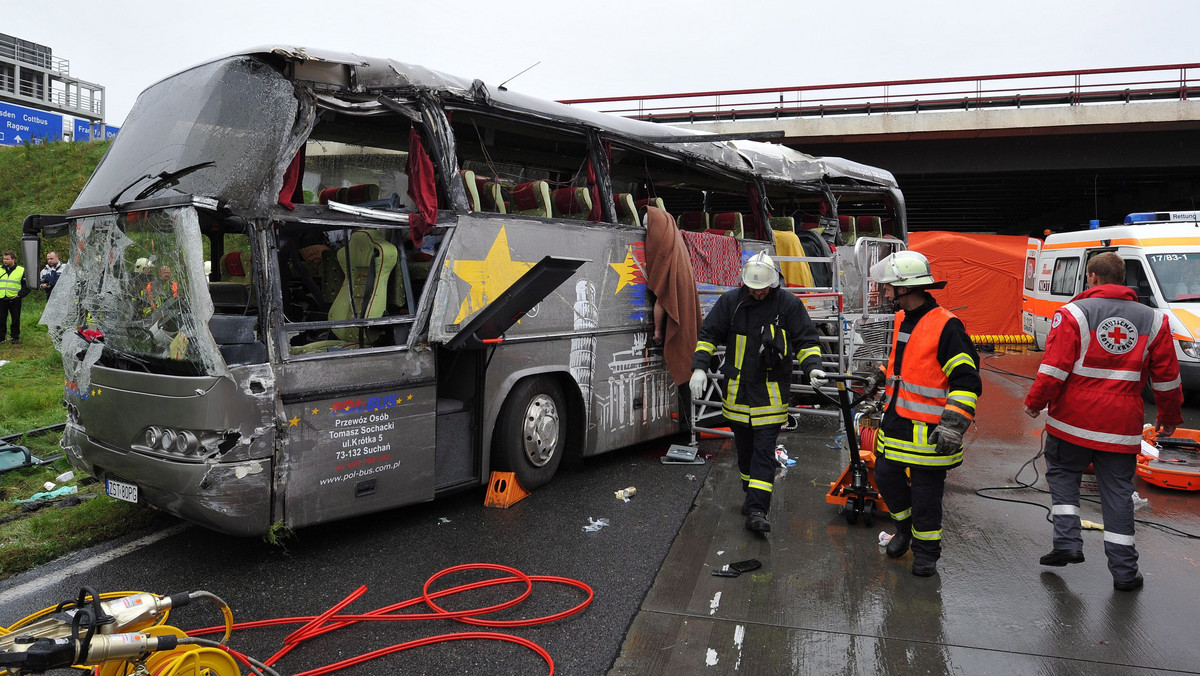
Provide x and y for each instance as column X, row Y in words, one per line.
column 759, row 272
column 905, row 268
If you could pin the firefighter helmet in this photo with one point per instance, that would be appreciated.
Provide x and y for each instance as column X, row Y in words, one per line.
column 759, row 272
column 905, row 268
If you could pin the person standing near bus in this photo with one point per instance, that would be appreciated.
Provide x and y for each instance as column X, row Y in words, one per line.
column 764, row 327
column 933, row 387
column 1100, row 348
column 51, row 272
column 12, row 290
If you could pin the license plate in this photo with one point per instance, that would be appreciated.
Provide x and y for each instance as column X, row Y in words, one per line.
column 1027, row 322
column 121, row 490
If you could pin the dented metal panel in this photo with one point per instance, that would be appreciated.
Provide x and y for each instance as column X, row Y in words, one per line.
column 222, row 482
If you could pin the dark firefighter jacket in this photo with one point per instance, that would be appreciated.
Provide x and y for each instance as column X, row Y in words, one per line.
column 906, row 440
column 755, row 394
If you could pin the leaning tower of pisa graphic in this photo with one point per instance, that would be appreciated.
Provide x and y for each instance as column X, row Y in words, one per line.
column 583, row 346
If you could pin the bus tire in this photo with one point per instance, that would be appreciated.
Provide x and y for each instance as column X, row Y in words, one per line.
column 531, row 434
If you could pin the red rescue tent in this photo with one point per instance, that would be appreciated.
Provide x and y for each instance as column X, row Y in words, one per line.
column 985, row 274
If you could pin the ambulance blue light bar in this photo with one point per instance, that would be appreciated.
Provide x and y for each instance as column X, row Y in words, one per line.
column 1160, row 216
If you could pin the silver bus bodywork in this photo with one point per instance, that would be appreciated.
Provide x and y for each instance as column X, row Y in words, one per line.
column 225, row 402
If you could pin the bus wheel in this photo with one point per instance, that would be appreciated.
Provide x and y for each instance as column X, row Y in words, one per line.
column 532, row 433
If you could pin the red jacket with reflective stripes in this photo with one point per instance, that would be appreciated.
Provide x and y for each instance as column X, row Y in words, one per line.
column 1101, row 348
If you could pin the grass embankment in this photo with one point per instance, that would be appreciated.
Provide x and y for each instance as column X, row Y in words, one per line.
column 45, row 179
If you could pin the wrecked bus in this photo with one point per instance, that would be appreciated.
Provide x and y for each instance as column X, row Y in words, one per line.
column 306, row 286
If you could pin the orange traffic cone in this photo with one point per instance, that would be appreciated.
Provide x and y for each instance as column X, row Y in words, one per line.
column 504, row 491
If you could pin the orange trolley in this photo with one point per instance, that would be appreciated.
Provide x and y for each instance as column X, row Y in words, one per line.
column 1178, row 463
column 855, row 489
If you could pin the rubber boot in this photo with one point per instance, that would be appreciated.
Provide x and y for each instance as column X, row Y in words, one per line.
column 898, row 545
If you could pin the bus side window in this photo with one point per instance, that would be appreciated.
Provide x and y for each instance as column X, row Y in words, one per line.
column 1135, row 278
column 524, row 168
column 332, row 284
column 1065, row 278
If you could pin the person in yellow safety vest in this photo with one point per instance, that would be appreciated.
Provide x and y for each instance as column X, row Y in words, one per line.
column 11, row 292
column 764, row 327
column 933, row 388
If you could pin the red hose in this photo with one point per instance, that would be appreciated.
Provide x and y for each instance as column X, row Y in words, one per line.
column 329, row 620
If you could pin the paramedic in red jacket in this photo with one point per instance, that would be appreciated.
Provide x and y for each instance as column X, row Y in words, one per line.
column 1100, row 349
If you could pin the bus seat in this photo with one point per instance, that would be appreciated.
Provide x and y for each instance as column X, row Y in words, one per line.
column 531, row 199
column 650, row 202
column 491, row 195
column 469, row 182
column 236, row 266
column 396, row 295
column 783, row 223
column 846, row 225
column 573, row 203
column 693, row 221
column 885, row 226
column 363, row 192
column 729, row 222
column 354, row 194
column 371, row 262
column 868, row 226
column 626, row 209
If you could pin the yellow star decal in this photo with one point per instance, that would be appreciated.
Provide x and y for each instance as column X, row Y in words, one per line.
column 489, row 277
column 627, row 269
column 409, row 397
column 294, row 421
column 316, row 411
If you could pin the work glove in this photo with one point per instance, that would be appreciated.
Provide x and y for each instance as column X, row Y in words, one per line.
column 699, row 378
column 876, row 379
column 948, row 435
column 817, row 378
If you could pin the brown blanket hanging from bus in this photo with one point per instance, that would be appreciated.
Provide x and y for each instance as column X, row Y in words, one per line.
column 669, row 278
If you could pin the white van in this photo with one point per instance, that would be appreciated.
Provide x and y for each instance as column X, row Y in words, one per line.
column 1162, row 264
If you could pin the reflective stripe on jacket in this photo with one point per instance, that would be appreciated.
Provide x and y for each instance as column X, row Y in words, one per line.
column 937, row 370
column 1101, row 347
column 10, row 282
column 752, row 395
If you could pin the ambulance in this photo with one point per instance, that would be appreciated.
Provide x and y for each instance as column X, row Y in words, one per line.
column 1162, row 264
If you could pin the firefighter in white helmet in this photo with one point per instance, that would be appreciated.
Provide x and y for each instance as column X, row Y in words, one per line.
column 933, row 387
column 763, row 328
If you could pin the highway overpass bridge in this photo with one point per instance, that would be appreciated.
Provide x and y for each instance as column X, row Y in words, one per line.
column 1009, row 154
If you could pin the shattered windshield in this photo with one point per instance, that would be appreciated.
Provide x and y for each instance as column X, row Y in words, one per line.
column 222, row 130
column 1178, row 276
column 135, row 297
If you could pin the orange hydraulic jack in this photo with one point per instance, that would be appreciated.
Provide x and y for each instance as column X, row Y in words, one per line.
column 855, row 489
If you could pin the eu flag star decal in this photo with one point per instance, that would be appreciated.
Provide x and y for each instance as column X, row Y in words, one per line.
column 489, row 277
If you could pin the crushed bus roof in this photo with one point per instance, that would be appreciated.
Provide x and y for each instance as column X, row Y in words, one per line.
column 770, row 161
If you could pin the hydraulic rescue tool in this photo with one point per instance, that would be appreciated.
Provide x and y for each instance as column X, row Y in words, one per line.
column 855, row 489
column 117, row 632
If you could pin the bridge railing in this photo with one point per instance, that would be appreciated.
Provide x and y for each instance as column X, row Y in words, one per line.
column 1175, row 82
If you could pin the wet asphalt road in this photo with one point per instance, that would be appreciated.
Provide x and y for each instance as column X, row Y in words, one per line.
column 825, row 602
column 394, row 552
column 828, row 601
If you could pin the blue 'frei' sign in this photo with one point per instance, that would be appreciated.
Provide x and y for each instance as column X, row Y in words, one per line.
column 89, row 131
column 19, row 125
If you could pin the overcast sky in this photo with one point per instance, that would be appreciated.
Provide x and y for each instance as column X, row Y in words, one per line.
column 619, row 47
